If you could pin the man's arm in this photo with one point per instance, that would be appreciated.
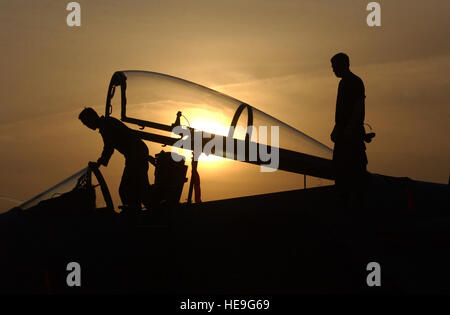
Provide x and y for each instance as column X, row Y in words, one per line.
column 108, row 150
column 355, row 117
column 336, row 134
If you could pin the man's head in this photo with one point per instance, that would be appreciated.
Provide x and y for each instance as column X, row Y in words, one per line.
column 340, row 64
column 89, row 118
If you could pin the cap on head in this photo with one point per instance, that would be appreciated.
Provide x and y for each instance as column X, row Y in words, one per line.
column 89, row 117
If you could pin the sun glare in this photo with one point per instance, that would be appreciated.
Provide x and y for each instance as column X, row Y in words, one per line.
column 213, row 124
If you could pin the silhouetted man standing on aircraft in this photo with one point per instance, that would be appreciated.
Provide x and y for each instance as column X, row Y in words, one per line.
column 349, row 154
column 134, row 187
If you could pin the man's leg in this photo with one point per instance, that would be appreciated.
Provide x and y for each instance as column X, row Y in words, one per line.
column 144, row 187
column 127, row 190
column 341, row 166
column 124, row 186
column 358, row 180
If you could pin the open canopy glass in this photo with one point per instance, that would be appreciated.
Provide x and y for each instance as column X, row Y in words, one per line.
column 78, row 188
column 152, row 100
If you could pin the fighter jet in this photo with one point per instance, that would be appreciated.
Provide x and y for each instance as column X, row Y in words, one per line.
column 291, row 242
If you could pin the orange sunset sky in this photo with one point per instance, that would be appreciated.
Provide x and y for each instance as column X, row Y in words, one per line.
column 273, row 55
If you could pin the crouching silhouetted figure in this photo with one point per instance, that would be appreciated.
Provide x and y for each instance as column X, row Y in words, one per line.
column 134, row 187
column 349, row 154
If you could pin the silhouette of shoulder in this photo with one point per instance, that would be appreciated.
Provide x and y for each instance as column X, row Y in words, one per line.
column 111, row 122
column 111, row 125
column 352, row 84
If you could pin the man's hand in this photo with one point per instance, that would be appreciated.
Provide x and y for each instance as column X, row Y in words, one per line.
column 93, row 165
